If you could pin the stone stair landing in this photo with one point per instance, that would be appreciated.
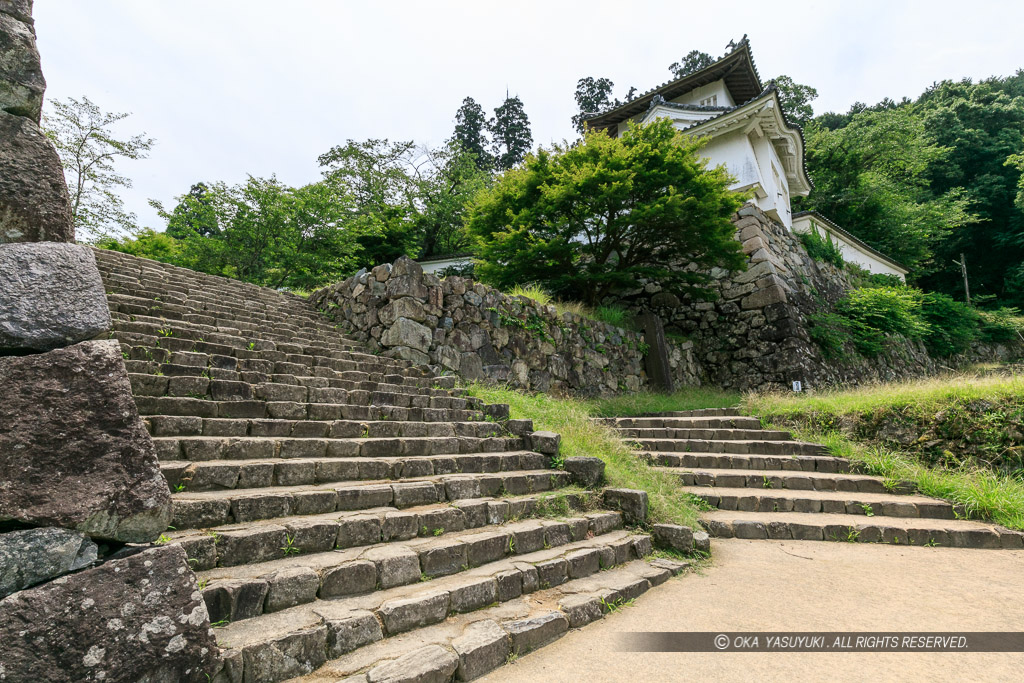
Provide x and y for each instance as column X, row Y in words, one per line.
column 762, row 484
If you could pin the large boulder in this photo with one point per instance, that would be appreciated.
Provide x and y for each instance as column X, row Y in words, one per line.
column 34, row 203
column 21, row 78
column 73, row 451
column 51, row 295
column 138, row 618
column 31, row 556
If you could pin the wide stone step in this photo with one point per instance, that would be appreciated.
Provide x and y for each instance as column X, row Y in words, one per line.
column 199, row 383
column 206, row 448
column 785, row 479
column 179, row 425
column 300, row 639
column 743, row 461
column 245, row 592
column 751, row 446
column 704, row 434
column 202, row 509
column 828, row 502
column 681, row 422
column 268, row 540
column 858, row 529
column 288, row 410
column 220, row 475
column 701, row 412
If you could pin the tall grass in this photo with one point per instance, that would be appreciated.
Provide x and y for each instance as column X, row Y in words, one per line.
column 641, row 403
column 613, row 315
column 582, row 436
column 924, row 394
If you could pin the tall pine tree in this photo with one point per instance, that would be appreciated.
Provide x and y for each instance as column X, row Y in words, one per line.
column 510, row 133
column 470, row 132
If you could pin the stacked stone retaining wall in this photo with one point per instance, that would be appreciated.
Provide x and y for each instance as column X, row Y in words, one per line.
column 480, row 333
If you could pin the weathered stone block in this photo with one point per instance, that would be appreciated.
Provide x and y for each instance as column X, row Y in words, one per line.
column 409, row 613
column 290, row 587
column 235, row 600
column 673, row 537
column 34, row 203
column 587, row 472
column 544, row 442
column 137, row 618
column 32, row 556
column 21, row 78
column 482, row 647
column 529, row 634
column 51, row 296
column 351, row 632
column 632, row 503
column 409, row 333
column 430, row 664
column 74, row 452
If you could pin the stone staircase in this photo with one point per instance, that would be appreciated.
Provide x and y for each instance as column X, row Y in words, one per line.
column 348, row 514
column 761, row 484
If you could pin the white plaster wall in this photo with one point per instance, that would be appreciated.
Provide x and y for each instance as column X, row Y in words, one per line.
column 852, row 253
column 434, row 266
column 705, row 91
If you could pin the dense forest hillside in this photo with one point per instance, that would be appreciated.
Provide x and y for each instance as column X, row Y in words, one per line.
column 925, row 180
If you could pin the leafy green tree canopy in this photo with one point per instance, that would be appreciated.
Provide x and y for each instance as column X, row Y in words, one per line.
column 796, row 99
column 594, row 95
column 194, row 214
column 89, row 149
column 695, row 60
column 585, row 220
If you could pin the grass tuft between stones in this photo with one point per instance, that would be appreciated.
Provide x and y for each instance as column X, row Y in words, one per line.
column 582, row 436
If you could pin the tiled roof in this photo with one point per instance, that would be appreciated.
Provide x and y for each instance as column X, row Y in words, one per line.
column 737, row 68
column 855, row 240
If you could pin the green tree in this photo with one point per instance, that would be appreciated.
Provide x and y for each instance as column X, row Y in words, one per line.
column 871, row 176
column 194, row 214
column 695, row 60
column 796, row 99
column 510, row 133
column 982, row 125
column 471, row 132
column 376, row 175
column 89, row 150
column 447, row 180
column 594, row 95
column 585, row 220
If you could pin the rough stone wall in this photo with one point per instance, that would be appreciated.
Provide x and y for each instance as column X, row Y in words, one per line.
column 755, row 334
column 480, row 333
column 34, row 204
column 79, row 477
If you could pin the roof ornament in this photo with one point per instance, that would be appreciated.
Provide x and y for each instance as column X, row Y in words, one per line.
column 733, row 44
column 656, row 100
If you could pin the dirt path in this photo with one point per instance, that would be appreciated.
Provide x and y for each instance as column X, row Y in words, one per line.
column 806, row 586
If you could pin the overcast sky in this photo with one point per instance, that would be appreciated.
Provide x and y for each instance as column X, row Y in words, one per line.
column 236, row 87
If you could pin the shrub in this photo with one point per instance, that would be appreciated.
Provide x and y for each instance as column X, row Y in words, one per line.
column 952, row 325
column 614, row 315
column 830, row 331
column 1002, row 325
column 822, row 248
column 535, row 292
column 875, row 311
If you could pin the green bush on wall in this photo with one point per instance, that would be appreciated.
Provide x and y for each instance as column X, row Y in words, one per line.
column 952, row 325
column 822, row 248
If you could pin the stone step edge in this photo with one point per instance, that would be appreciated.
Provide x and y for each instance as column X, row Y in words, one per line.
column 820, row 530
column 275, row 658
column 356, row 577
column 213, row 546
column 850, row 504
column 681, row 458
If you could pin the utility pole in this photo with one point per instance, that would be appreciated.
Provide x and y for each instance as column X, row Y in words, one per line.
column 963, row 271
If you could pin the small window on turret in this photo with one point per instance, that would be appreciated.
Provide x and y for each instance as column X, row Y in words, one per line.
column 709, row 101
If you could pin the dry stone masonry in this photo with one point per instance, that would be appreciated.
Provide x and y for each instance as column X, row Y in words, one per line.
column 79, row 477
column 473, row 330
column 331, row 499
column 755, row 333
column 34, row 203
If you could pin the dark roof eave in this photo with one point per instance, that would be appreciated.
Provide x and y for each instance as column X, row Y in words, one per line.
column 730, row 66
